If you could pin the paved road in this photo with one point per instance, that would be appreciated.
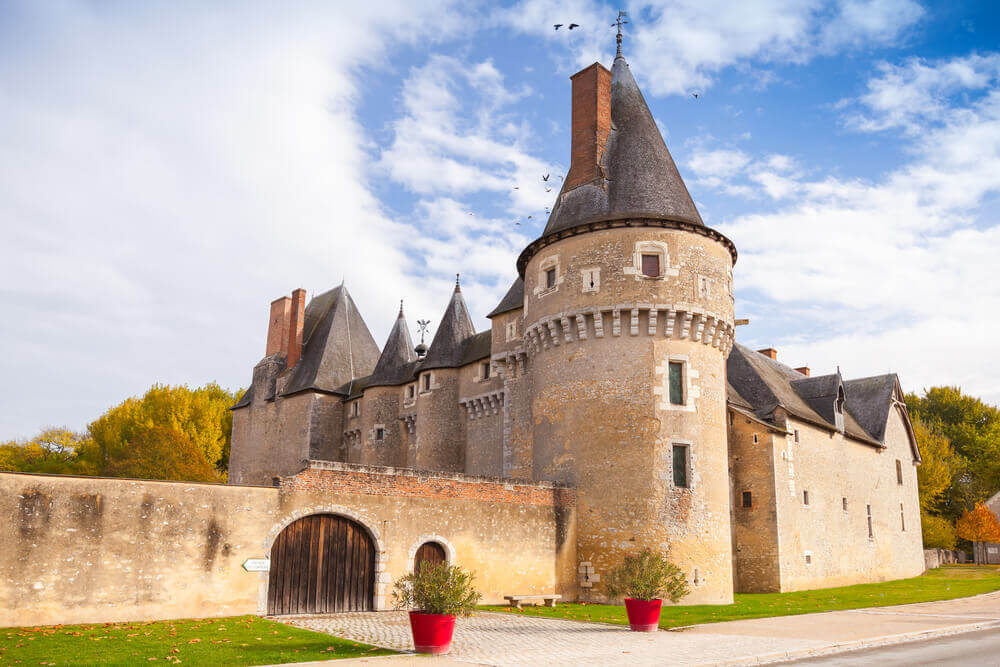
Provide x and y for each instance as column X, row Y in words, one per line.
column 969, row 650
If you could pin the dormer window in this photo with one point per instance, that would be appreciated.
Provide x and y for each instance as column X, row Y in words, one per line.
column 651, row 265
column 838, row 409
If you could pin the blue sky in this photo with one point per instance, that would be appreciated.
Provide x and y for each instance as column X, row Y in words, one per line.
column 166, row 169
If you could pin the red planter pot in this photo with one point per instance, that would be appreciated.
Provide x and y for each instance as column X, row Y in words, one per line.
column 643, row 615
column 431, row 632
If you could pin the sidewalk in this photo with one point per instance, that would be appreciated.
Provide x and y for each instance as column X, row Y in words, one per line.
column 506, row 639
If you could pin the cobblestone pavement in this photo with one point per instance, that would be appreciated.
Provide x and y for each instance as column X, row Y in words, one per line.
column 509, row 639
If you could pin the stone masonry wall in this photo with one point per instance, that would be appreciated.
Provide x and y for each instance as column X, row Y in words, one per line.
column 81, row 550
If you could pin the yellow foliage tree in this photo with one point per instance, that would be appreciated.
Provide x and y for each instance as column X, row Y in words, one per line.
column 938, row 532
column 56, row 451
column 201, row 415
column 156, row 452
column 978, row 525
column 937, row 467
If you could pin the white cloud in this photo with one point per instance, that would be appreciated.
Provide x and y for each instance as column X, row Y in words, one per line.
column 168, row 169
column 902, row 268
column 680, row 46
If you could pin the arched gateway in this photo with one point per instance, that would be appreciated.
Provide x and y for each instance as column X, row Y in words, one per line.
column 320, row 564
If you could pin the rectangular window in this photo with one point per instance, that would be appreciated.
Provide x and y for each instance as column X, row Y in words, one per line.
column 843, row 501
column 550, row 278
column 747, row 499
column 899, row 472
column 427, row 382
column 902, row 518
column 805, row 497
column 651, row 266
column 355, row 408
column 681, row 466
column 809, row 559
column 380, row 434
column 755, row 438
column 796, row 436
column 675, row 371
column 410, row 391
column 486, row 370
column 871, row 532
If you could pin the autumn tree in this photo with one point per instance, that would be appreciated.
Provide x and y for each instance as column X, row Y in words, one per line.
column 158, row 452
column 201, row 415
column 56, row 451
column 978, row 525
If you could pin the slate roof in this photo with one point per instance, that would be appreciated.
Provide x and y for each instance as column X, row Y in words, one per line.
column 337, row 345
column 512, row 300
column 640, row 177
column 869, row 400
column 394, row 367
column 766, row 384
column 448, row 347
column 476, row 347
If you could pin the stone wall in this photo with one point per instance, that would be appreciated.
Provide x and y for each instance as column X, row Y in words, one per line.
column 98, row 550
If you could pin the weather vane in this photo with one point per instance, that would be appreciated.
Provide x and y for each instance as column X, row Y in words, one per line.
column 422, row 329
column 620, row 21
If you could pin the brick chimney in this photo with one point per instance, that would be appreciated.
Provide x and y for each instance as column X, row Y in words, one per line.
column 591, row 124
column 804, row 370
column 277, row 326
column 297, row 319
column 769, row 352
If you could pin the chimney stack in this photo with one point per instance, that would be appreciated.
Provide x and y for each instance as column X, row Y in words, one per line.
column 277, row 326
column 804, row 370
column 769, row 352
column 591, row 123
column 296, row 321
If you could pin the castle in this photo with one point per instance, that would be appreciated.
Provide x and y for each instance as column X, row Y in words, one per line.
column 611, row 371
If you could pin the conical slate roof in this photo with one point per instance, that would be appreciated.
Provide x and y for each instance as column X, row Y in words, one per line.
column 447, row 348
column 640, row 177
column 337, row 346
column 395, row 366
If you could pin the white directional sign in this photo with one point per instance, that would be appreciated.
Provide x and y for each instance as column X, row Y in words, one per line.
column 257, row 564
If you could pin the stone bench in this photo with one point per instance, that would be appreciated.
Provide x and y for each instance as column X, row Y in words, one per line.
column 516, row 600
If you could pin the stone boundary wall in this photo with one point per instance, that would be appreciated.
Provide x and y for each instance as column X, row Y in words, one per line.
column 96, row 550
column 405, row 482
column 937, row 557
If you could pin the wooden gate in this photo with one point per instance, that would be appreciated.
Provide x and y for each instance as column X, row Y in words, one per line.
column 322, row 564
column 429, row 552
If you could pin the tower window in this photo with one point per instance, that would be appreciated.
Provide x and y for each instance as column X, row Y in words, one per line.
column 805, row 497
column 899, row 472
column 796, row 436
column 871, row 532
column 747, row 499
column 675, row 371
column 651, row 266
column 680, row 459
column 843, row 501
column 410, row 391
column 809, row 559
column 902, row 518
column 380, row 434
column 427, row 382
column 485, row 370
column 550, row 278
column 355, row 408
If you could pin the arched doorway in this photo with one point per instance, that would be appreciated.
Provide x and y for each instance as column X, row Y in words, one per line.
column 321, row 564
column 429, row 552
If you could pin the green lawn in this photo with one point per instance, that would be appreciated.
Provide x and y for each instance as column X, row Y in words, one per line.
column 944, row 583
column 237, row 640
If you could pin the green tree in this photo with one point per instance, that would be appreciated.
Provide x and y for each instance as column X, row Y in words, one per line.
column 938, row 532
column 201, row 415
column 157, row 452
column 56, row 451
column 973, row 429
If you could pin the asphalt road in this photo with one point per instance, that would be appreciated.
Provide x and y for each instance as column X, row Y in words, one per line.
column 968, row 650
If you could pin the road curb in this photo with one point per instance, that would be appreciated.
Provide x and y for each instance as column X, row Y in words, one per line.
column 857, row 645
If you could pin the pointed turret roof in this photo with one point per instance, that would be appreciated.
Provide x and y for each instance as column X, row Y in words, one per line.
column 337, row 346
column 395, row 366
column 640, row 179
column 447, row 348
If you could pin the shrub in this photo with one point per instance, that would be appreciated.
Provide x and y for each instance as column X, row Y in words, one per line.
column 437, row 589
column 647, row 576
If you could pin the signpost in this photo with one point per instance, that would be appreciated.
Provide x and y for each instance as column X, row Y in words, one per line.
column 257, row 564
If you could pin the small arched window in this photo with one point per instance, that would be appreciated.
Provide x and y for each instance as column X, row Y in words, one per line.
column 429, row 552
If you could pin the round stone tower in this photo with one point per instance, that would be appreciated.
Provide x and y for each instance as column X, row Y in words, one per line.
column 628, row 319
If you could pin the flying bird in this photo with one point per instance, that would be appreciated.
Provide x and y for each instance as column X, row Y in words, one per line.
column 574, row 25
column 557, row 26
column 548, row 189
column 545, row 177
column 695, row 95
column 516, row 187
